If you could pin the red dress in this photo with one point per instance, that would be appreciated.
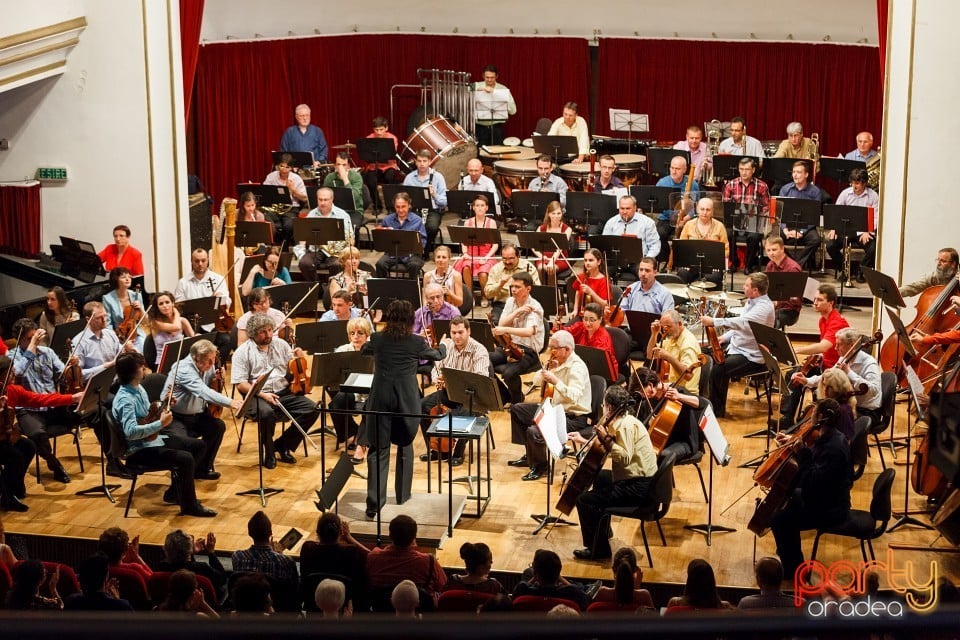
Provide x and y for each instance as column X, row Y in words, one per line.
column 600, row 340
column 561, row 263
column 600, row 286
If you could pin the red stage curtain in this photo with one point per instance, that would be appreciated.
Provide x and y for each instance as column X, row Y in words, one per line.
column 882, row 17
column 191, row 17
column 20, row 220
column 831, row 89
column 246, row 91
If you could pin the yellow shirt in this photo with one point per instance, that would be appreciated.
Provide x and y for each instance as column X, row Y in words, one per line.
column 684, row 348
column 632, row 454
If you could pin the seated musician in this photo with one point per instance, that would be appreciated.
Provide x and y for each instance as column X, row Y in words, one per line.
column 152, row 443
column 824, row 303
column 325, row 256
column 192, row 396
column 352, row 278
column 436, row 186
column 202, row 282
column 704, row 227
column 822, row 497
column 386, row 171
column 522, row 320
column 476, row 181
column 607, row 179
column 119, row 300
column 571, row 124
column 796, row 146
column 358, row 332
column 344, row 177
column 341, row 307
column 700, row 156
column 259, row 301
column 165, row 324
column 40, row 369
column 633, row 224
column 739, row 143
column 435, row 308
column 742, row 354
column 670, row 220
column 647, row 294
column 788, row 311
column 946, row 270
column 497, row 288
column 16, row 453
column 403, row 220
column 684, row 438
column 463, row 354
column 446, row 276
column 570, row 380
column 858, row 194
column 266, row 353
column 801, row 187
column 591, row 331
column 121, row 253
column 864, row 150
column 592, row 285
column 477, row 259
column 546, row 180
column 57, row 310
column 550, row 263
column 861, row 368
column 628, row 483
column 752, row 197
column 284, row 176
column 271, row 274
column 676, row 345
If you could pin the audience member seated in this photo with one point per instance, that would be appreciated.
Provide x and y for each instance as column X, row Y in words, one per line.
column 179, row 549
column 769, row 573
column 331, row 599
column 478, row 560
column 336, row 552
column 263, row 556
column 99, row 592
column 184, row 595
column 563, row 611
column 405, row 599
column 28, row 577
column 7, row 556
column 500, row 603
column 123, row 552
column 700, row 591
column 627, row 578
column 400, row 560
column 548, row 583
column 250, row 593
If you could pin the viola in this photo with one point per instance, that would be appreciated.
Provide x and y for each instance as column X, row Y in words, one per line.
column 297, row 371
column 217, row 384
column 71, row 380
column 225, row 320
column 514, row 352
column 615, row 315
column 548, row 389
column 9, row 431
column 131, row 317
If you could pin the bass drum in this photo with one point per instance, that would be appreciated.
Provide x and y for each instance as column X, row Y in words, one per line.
column 575, row 175
column 629, row 167
column 450, row 146
column 513, row 174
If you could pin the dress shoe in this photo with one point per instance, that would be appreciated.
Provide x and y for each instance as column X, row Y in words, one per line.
column 861, row 278
column 10, row 503
column 270, row 462
column 432, row 456
column 197, row 510
column 456, row 461
column 371, row 513
column 285, row 457
column 207, row 474
column 60, row 474
column 115, row 469
column 171, row 496
column 535, row 474
column 519, row 462
column 588, row 554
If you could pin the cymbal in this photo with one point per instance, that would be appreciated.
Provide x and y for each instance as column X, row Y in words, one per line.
column 348, row 145
column 726, row 297
column 677, row 289
column 703, row 284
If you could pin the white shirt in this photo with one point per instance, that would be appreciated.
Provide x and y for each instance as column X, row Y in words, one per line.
column 483, row 183
column 753, row 147
column 273, row 180
column 740, row 338
column 869, row 198
column 640, row 226
column 578, row 130
column 210, row 284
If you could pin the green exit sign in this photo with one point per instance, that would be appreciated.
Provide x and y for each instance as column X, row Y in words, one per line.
column 52, row 173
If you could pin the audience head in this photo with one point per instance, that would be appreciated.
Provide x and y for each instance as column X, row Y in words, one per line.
column 180, row 590
column 403, row 530
column 563, row 611
column 251, row 594
column 477, row 557
column 93, row 573
column 547, row 566
column 701, row 587
column 769, row 573
column 113, row 543
column 405, row 598
column 329, row 528
column 500, row 603
column 178, row 547
column 626, row 574
column 330, row 597
column 259, row 528
column 27, row 578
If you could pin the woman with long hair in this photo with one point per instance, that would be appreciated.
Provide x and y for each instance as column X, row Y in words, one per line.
column 444, row 275
column 478, row 560
column 478, row 259
column 627, row 578
column 57, row 310
column 166, row 323
column 185, row 595
column 119, row 300
column 247, row 209
column 553, row 262
column 352, row 278
column 592, row 285
column 271, row 273
column 397, row 352
column 700, row 590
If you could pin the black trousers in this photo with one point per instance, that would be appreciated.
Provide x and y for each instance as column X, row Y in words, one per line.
column 304, row 411
column 632, row 492
column 413, row 265
column 180, row 455
column 489, row 133
column 200, row 425
column 835, row 249
column 752, row 251
column 666, row 232
column 378, row 177
column 14, row 462
column 788, row 524
column 313, row 261
column 511, row 371
column 523, row 428
column 735, row 366
column 807, row 244
column 34, row 425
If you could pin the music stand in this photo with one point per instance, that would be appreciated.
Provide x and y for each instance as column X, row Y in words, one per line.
column 843, row 219
column 620, row 251
column 420, row 196
column 343, row 198
column 786, row 285
column 652, row 200
column 713, row 435
column 705, row 255
column 376, row 150
column 547, row 297
column 318, row 231
column 322, row 337
column 839, row 168
column 556, row 147
column 249, row 400
column 64, row 332
column 170, row 349
column 530, row 205
column 780, row 170
column 266, row 195
column 776, row 341
column 329, row 491
column 884, row 287
column 658, row 159
column 299, row 158
column 387, row 289
column 727, row 167
column 458, row 201
column 481, row 332
column 398, row 243
column 586, row 209
column 623, row 120
column 639, row 324
column 472, row 237
column 292, row 294
column 596, row 361
column 493, row 105
column 254, row 234
column 200, row 312
column 94, row 400
column 544, row 243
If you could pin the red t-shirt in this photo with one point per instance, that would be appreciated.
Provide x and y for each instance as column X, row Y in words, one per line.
column 828, row 331
column 132, row 259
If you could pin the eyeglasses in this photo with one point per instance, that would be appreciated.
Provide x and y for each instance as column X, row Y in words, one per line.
column 358, row 333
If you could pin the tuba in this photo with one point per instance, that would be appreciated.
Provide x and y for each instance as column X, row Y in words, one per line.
column 714, row 133
column 873, row 172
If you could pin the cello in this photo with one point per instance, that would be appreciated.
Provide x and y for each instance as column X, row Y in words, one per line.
column 664, row 418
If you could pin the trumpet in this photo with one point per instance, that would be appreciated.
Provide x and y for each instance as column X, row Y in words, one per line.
column 714, row 133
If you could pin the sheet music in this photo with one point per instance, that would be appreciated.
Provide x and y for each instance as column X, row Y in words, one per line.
column 617, row 192
column 552, row 422
column 714, row 435
column 493, row 105
column 810, row 289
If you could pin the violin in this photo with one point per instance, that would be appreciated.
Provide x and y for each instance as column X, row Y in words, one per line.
column 217, row 384
column 284, row 331
column 547, row 389
column 514, row 352
column 71, row 380
column 131, row 317
column 225, row 320
column 615, row 315
column 297, row 371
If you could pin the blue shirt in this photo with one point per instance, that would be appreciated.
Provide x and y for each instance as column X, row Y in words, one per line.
column 640, row 226
column 37, row 369
column 111, row 304
column 93, row 352
column 434, row 179
column 667, row 181
column 311, row 140
column 129, row 404
column 193, row 390
column 655, row 300
column 413, row 222
column 810, row 192
column 855, row 155
column 330, row 316
column 261, row 281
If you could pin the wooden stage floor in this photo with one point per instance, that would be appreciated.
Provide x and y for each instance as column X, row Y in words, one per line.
column 506, row 524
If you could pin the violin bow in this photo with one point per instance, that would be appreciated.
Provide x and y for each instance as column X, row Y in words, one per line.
column 293, row 309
